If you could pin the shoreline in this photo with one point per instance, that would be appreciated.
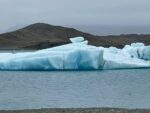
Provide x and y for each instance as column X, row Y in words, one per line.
column 79, row 110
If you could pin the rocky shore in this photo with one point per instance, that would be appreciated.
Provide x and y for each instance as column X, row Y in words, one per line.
column 80, row 110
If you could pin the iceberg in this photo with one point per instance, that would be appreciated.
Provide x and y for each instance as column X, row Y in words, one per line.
column 77, row 39
column 138, row 50
column 78, row 55
column 71, row 56
column 122, row 60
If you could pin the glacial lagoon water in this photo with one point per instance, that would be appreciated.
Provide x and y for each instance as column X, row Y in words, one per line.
column 75, row 89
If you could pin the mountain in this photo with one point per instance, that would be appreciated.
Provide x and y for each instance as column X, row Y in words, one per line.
column 41, row 35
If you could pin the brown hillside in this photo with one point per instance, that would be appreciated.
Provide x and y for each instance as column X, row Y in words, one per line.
column 40, row 35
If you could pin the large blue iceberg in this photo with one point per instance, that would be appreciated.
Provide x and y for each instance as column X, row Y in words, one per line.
column 78, row 55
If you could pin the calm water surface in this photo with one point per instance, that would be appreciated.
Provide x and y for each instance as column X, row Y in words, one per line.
column 67, row 89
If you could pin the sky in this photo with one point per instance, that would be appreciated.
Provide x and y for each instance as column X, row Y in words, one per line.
column 17, row 13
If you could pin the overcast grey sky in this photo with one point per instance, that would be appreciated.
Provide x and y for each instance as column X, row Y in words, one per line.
column 74, row 12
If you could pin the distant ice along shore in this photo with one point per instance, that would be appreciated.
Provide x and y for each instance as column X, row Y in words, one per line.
column 78, row 55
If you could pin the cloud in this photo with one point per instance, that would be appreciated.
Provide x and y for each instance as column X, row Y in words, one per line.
column 73, row 12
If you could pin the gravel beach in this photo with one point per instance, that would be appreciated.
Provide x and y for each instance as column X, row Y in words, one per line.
column 80, row 110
